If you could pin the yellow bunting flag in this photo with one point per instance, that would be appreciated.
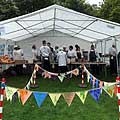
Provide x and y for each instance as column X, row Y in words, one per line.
column 69, row 97
column 88, row 76
column 54, row 97
column 10, row 92
column 75, row 72
column 107, row 84
column 82, row 95
column 24, row 95
column 36, row 68
column 109, row 90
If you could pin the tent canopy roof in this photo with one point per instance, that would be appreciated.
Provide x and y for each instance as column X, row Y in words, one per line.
column 62, row 19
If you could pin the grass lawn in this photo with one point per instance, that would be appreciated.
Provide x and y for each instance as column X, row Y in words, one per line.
column 105, row 109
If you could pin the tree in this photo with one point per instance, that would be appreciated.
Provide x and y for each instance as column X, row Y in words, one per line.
column 8, row 10
column 110, row 10
column 28, row 6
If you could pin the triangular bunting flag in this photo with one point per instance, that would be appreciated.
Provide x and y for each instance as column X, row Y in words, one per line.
column 36, row 68
column 10, row 92
column 24, row 95
column 54, row 97
column 75, row 72
column 115, row 90
column 97, row 83
column 88, row 76
column 61, row 77
column 109, row 84
column 31, row 79
column 91, row 79
column 101, row 84
column 82, row 95
column 47, row 75
column 39, row 97
column 28, row 86
column 109, row 90
column 95, row 94
column 69, row 97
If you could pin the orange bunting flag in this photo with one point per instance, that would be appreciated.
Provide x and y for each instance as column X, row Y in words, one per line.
column 75, row 72
column 69, row 97
column 47, row 75
column 24, row 95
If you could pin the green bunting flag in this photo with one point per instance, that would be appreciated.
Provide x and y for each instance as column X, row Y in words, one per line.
column 10, row 92
column 82, row 95
column 69, row 97
column 54, row 97
column 109, row 90
column 61, row 77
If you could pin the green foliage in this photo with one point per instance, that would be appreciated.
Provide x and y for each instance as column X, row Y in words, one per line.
column 110, row 10
column 13, row 8
column 8, row 9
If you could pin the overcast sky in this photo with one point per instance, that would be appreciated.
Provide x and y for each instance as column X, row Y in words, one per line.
column 94, row 1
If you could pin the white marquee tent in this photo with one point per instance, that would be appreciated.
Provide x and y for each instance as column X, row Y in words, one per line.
column 62, row 26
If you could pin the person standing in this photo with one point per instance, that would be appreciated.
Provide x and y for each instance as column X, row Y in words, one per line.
column 113, row 62
column 18, row 55
column 45, row 52
column 62, row 61
column 93, row 58
column 34, row 53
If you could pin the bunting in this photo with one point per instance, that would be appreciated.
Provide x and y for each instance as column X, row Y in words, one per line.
column 95, row 94
column 10, row 92
column 82, row 95
column 47, row 75
column 115, row 90
column 109, row 90
column 101, row 84
column 88, row 77
column 54, row 97
column 24, row 95
column 61, row 77
column 97, row 83
column 39, row 97
column 75, row 72
column 69, row 97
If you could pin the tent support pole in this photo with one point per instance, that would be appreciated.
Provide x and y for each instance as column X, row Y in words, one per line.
column 104, row 50
column 118, row 73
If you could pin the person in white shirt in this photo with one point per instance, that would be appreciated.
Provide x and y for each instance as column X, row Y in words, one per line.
column 62, row 61
column 45, row 52
column 18, row 53
column 113, row 62
column 71, row 54
column 34, row 53
column 71, row 58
